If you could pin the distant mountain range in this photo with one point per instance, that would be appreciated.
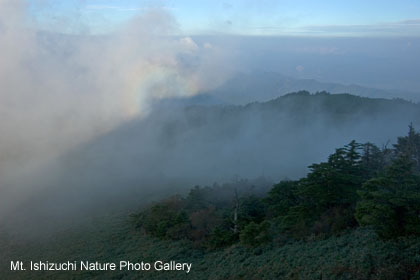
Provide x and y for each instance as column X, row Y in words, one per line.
column 262, row 86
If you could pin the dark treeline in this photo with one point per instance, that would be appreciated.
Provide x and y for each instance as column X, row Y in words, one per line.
column 359, row 185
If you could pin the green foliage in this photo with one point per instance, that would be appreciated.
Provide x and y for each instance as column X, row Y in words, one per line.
column 391, row 203
column 255, row 234
column 281, row 198
column 409, row 146
column 373, row 160
column 166, row 219
column 251, row 209
column 335, row 182
column 324, row 201
column 334, row 221
column 205, row 217
column 221, row 237
column 356, row 254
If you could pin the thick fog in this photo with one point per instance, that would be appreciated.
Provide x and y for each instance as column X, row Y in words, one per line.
column 61, row 90
column 93, row 121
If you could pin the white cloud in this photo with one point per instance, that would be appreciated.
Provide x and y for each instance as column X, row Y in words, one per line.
column 58, row 91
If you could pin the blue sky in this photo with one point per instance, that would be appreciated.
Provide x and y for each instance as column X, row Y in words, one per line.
column 242, row 17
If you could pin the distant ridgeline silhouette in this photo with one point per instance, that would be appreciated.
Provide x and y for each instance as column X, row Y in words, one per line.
column 262, row 86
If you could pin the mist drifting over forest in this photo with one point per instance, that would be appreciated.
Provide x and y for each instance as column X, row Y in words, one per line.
column 89, row 118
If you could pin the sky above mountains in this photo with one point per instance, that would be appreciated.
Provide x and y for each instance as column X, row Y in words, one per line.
column 356, row 18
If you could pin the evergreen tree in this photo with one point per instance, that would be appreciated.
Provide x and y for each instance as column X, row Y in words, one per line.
column 390, row 203
column 409, row 146
column 334, row 182
column 372, row 160
column 325, row 199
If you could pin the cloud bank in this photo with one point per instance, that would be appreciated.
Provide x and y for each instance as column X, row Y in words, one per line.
column 58, row 91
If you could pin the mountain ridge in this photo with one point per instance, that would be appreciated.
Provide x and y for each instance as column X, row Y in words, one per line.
column 244, row 88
